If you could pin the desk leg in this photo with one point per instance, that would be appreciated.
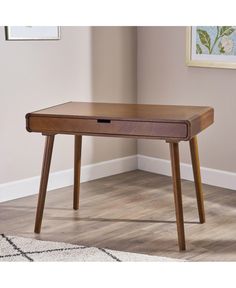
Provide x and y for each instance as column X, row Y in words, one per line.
column 77, row 166
column 44, row 181
column 174, row 152
column 197, row 178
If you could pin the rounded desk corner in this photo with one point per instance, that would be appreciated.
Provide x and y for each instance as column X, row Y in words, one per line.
column 189, row 134
column 28, row 129
column 27, row 116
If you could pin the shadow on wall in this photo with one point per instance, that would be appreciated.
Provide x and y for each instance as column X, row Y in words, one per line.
column 113, row 79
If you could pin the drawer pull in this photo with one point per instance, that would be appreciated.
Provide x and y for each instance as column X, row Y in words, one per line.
column 103, row 121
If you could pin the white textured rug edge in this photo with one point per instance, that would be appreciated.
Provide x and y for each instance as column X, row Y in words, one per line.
column 14, row 249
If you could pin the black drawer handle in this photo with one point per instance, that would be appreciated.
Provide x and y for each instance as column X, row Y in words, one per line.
column 103, row 121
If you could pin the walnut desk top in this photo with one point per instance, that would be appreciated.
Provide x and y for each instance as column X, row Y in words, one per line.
column 122, row 120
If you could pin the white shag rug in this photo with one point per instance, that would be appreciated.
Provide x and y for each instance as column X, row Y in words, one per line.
column 20, row 249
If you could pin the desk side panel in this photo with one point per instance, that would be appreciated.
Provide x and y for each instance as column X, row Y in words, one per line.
column 200, row 123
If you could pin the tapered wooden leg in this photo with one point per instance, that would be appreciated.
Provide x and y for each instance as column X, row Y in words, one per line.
column 197, row 178
column 174, row 152
column 77, row 166
column 44, row 181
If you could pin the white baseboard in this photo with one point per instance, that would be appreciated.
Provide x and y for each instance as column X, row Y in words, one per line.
column 210, row 176
column 30, row 186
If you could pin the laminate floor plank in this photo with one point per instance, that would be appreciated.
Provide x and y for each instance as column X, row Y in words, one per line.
column 132, row 212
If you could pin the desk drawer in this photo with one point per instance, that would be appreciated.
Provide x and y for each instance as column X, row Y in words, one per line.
column 107, row 127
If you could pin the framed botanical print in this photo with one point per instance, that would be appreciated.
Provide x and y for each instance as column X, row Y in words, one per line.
column 32, row 32
column 211, row 46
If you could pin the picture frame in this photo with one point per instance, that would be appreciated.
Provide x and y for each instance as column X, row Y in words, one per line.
column 211, row 46
column 31, row 33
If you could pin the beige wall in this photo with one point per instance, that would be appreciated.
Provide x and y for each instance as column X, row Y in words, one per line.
column 164, row 78
column 43, row 73
column 114, row 79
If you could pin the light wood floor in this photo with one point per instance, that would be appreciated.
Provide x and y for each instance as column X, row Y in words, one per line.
column 132, row 212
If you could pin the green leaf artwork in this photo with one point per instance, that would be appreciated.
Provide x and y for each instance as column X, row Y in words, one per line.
column 198, row 49
column 216, row 40
column 222, row 51
column 204, row 38
column 226, row 30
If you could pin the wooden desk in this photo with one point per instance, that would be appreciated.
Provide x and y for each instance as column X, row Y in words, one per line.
column 170, row 123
